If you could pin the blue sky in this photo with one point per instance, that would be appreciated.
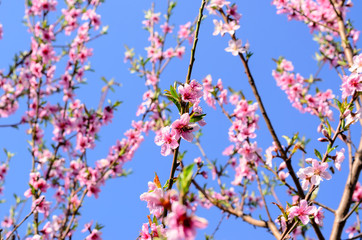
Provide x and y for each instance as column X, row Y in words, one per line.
column 269, row 35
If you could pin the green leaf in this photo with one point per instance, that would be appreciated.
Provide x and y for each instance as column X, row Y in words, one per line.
column 99, row 226
column 318, row 154
column 185, row 179
column 330, row 149
column 166, row 184
column 287, row 139
column 117, row 103
column 174, row 93
column 175, row 101
column 196, row 118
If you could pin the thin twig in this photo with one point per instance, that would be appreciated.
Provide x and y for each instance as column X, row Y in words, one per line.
column 352, row 210
column 325, row 207
column 262, row 196
column 196, row 39
column 26, row 217
column 238, row 213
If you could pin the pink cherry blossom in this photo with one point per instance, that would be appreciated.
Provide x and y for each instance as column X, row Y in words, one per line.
column 166, row 28
column 154, row 198
column 352, row 230
column 242, row 171
column 219, row 27
column 314, row 174
column 303, row 211
column 41, row 206
column 339, row 159
column 286, row 65
column 167, row 138
column 283, row 175
column 319, row 216
column 3, row 170
column 7, row 222
column 235, row 47
column 182, row 226
column 95, row 235
column 357, row 64
column 233, row 11
column 191, row 92
column 230, row 28
column 184, row 128
column 1, row 31
column 351, row 84
column 357, row 193
column 218, row 3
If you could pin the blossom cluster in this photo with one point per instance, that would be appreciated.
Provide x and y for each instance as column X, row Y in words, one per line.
column 241, row 132
column 180, row 223
column 303, row 212
column 352, row 84
column 297, row 89
column 168, row 136
column 59, row 167
column 156, row 52
column 321, row 17
column 229, row 24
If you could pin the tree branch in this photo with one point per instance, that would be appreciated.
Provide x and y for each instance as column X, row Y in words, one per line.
column 238, row 213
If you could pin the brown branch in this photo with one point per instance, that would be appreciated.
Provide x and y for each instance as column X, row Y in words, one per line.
column 356, row 237
column 266, row 117
column 325, row 207
column 262, row 196
column 342, row 33
column 352, row 210
column 287, row 231
column 346, row 199
column 65, row 233
column 238, row 213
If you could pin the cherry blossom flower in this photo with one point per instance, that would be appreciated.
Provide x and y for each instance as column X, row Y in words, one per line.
column 167, row 138
column 219, row 26
column 7, row 222
column 95, row 235
column 184, row 128
column 233, row 11
column 153, row 198
column 181, row 225
column 357, row 64
column 184, row 31
column 230, row 28
column 156, row 231
column 314, row 174
column 41, row 206
column 191, row 92
column 241, row 171
column 218, row 3
column 286, row 65
column 303, row 211
column 351, row 84
column 319, row 216
column 166, row 28
column 339, row 159
column 357, row 193
column 352, row 230
column 235, row 47
column 283, row 175
column 3, row 170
